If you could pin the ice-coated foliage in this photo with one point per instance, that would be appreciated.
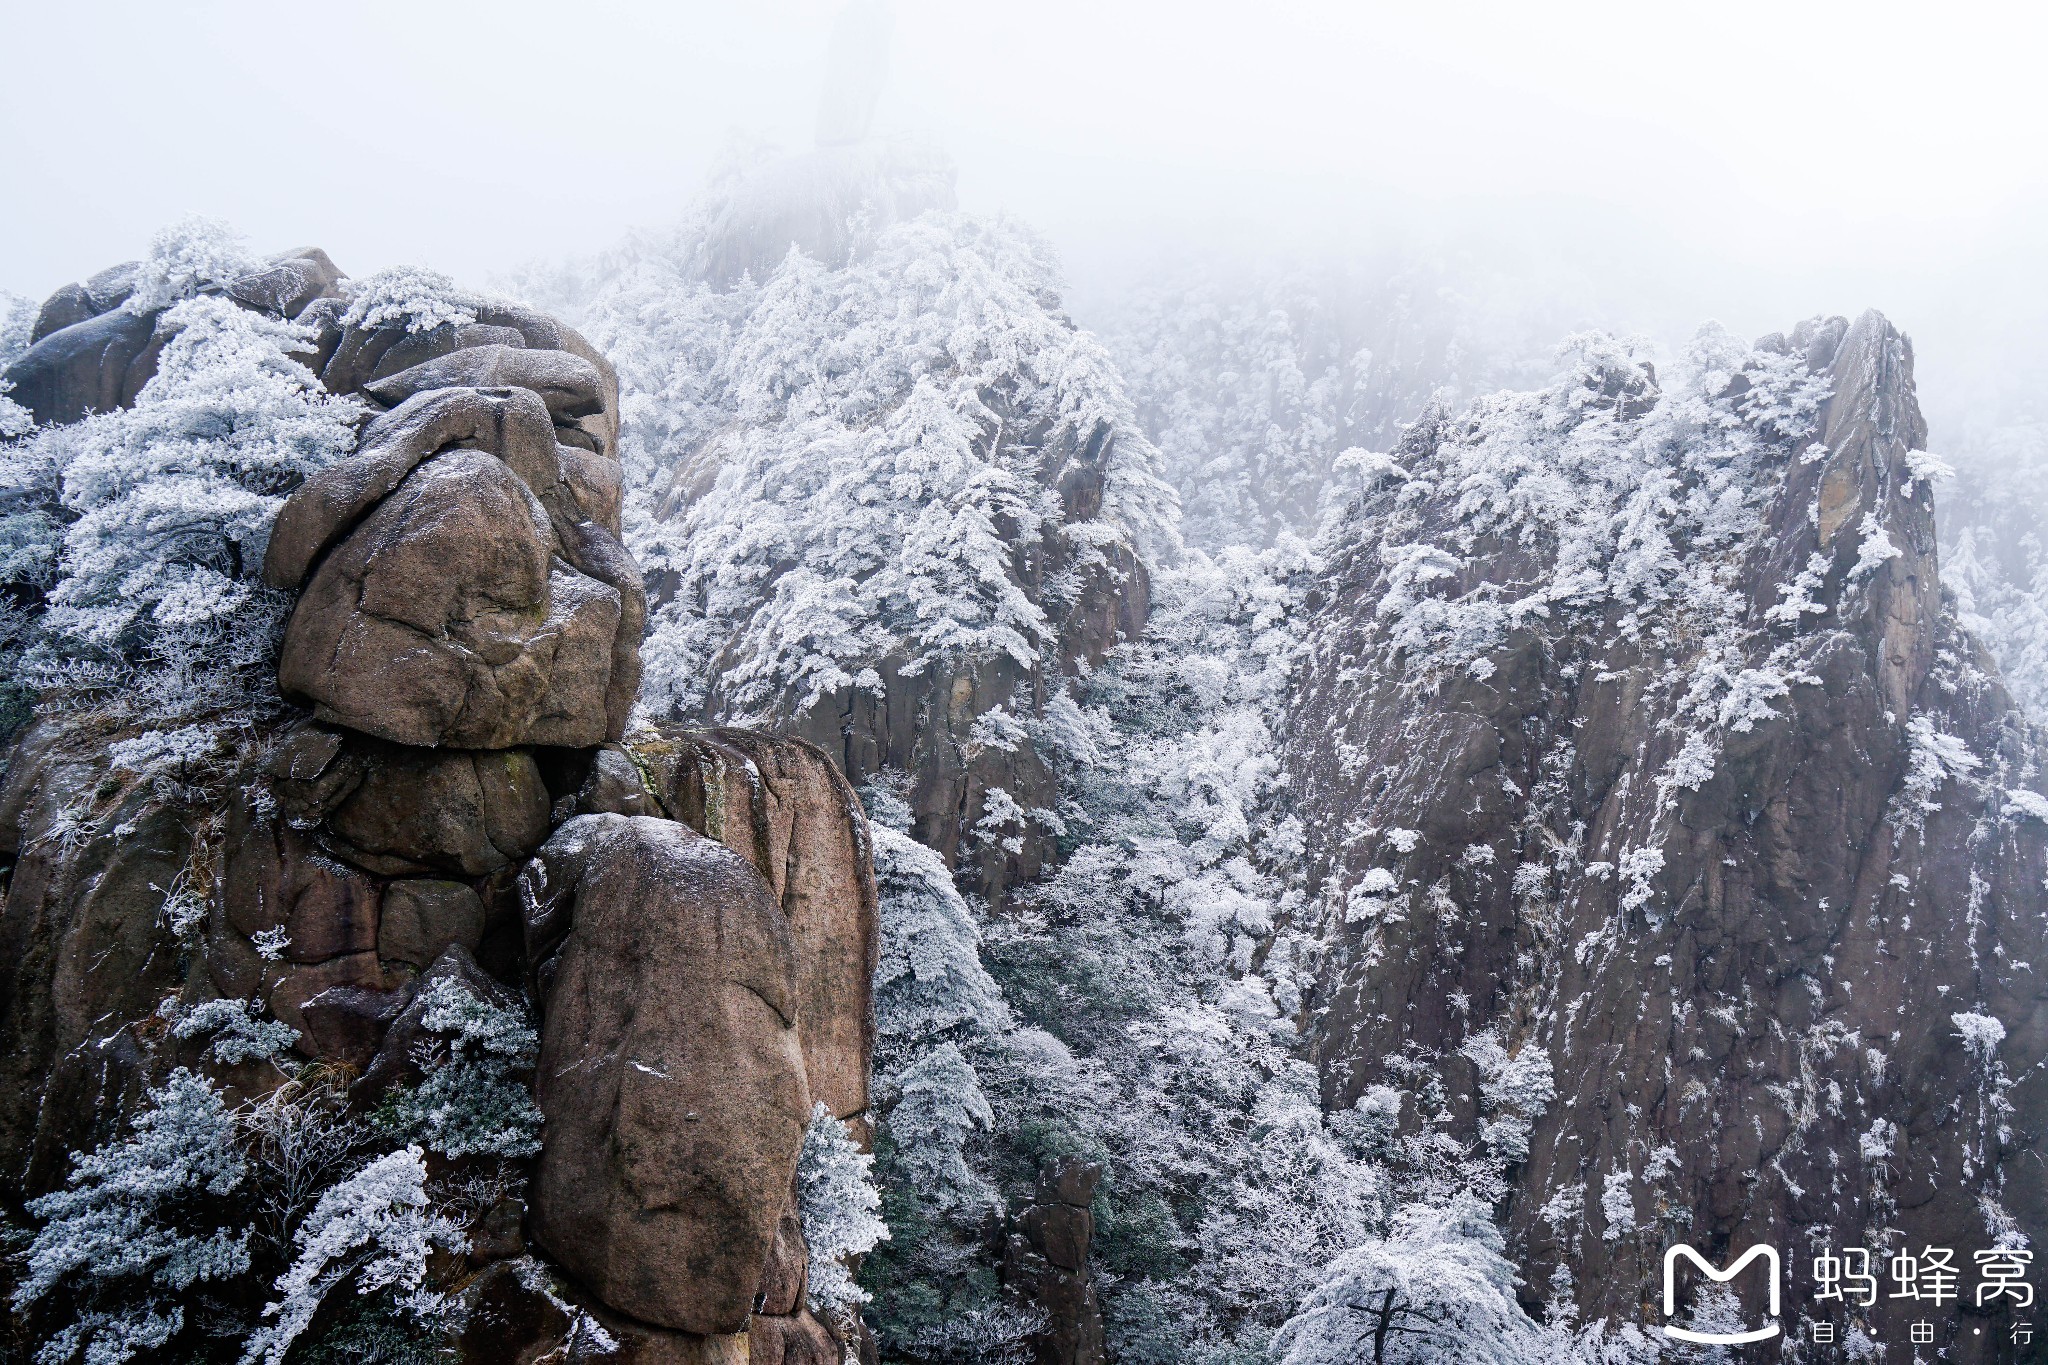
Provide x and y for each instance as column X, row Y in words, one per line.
column 939, row 1105
column 843, row 463
column 17, row 324
column 1436, row 1290
column 929, row 980
column 1994, row 555
column 410, row 296
column 185, row 258
column 839, row 1206
column 146, row 526
column 939, row 1016
column 237, row 1029
column 376, row 1227
column 174, row 497
column 1633, row 494
column 474, row 1098
column 140, row 1223
column 1146, row 1038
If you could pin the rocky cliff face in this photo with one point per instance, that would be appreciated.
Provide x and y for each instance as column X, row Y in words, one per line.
column 441, row 825
column 1658, row 802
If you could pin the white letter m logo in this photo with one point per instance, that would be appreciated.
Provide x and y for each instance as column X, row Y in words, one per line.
column 1770, row 1258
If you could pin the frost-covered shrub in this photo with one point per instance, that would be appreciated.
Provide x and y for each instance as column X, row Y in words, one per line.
column 474, row 1098
column 376, row 1227
column 139, row 1224
column 839, row 1206
column 1981, row 1035
column 1438, row 1290
column 190, row 255
column 165, row 511
column 238, row 1030
column 417, row 298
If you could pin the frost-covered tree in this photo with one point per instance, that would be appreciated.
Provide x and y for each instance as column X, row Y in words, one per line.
column 142, row 1225
column 1437, row 1290
column 839, row 1207
column 174, row 497
column 850, row 462
column 1994, row 556
column 936, row 1011
column 376, row 1228
column 152, row 546
column 475, row 1096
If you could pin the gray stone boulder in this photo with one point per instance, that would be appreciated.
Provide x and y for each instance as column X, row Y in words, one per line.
column 671, row 1073
column 83, row 367
column 570, row 385
column 446, row 618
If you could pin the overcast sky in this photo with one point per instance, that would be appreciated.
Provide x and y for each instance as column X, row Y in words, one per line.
column 1756, row 162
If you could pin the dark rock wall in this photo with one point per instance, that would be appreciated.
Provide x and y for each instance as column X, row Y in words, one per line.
column 1769, row 989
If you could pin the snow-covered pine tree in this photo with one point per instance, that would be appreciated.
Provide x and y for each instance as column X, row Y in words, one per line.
column 139, row 533
column 1436, row 1290
column 141, row 1230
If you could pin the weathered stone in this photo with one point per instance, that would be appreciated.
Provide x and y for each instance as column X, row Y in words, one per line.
column 596, row 482
column 613, row 787
column 1071, row 1182
column 288, row 283
column 518, row 1312
column 782, row 1282
column 442, row 621
column 671, row 1073
column 570, row 385
column 795, row 1339
column 311, row 771
column 440, row 810
column 1748, row 969
column 81, row 368
column 783, row 806
column 1062, row 1230
column 330, row 908
column 69, row 306
column 347, row 1024
column 74, row 303
column 512, row 425
column 294, row 986
column 1045, row 1264
column 422, row 917
column 501, row 1232
column 362, row 354
column 84, row 947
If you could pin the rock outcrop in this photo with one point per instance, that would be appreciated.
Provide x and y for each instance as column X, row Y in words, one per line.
column 1736, row 835
column 1045, row 1265
column 670, row 1067
column 695, row 930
